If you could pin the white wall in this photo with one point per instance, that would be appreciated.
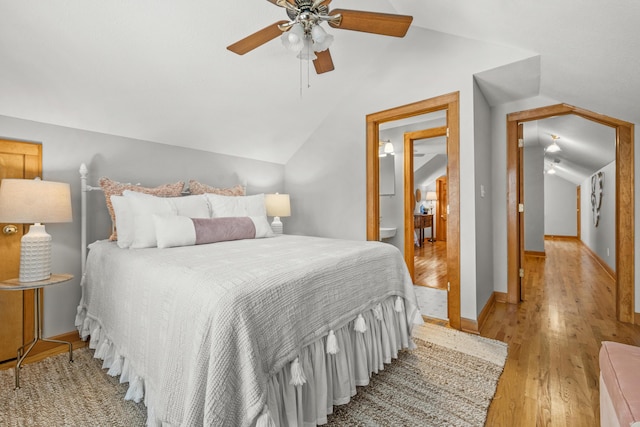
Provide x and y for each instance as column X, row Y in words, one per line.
column 328, row 174
column 560, row 207
column 125, row 160
column 534, row 198
column 483, row 189
column 392, row 207
column 601, row 239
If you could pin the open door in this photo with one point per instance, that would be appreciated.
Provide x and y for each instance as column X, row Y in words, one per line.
column 521, row 209
column 442, row 201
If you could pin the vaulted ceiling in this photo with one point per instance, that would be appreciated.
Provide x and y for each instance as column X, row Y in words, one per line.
column 160, row 71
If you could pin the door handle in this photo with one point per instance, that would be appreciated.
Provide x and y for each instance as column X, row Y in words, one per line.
column 9, row 229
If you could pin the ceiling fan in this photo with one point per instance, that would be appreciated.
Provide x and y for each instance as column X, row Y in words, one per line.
column 304, row 35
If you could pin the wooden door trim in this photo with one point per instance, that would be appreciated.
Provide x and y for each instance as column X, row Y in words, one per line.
column 33, row 158
column 625, row 269
column 409, row 185
column 449, row 102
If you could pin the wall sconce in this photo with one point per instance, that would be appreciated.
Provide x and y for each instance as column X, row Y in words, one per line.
column 385, row 147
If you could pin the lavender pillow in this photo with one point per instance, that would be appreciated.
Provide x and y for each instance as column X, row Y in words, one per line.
column 175, row 230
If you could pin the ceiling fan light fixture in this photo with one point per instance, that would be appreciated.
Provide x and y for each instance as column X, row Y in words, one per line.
column 318, row 33
column 323, row 45
column 554, row 147
column 294, row 38
column 307, row 52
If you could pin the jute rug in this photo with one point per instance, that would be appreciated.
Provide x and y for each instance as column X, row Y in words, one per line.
column 448, row 381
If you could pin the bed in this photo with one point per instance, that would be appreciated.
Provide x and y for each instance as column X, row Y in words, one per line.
column 269, row 331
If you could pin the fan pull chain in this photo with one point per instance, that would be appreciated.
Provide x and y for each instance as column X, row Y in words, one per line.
column 308, row 65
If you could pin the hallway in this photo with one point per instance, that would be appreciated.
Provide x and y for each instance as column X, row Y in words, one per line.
column 430, row 264
column 552, row 372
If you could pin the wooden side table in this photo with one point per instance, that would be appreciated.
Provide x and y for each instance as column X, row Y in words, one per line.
column 422, row 221
column 17, row 285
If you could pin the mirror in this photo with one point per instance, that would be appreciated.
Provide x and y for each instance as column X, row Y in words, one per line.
column 387, row 176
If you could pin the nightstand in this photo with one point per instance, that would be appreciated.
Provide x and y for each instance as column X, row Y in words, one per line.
column 17, row 285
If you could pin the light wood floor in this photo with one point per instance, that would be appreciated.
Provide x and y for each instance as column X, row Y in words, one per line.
column 551, row 374
column 430, row 264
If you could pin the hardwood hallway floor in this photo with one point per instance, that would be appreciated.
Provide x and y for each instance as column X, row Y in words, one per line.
column 554, row 336
column 430, row 264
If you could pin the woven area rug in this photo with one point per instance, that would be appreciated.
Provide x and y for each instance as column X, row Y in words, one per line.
column 448, row 381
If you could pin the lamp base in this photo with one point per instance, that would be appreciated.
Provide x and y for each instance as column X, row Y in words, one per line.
column 35, row 254
column 276, row 225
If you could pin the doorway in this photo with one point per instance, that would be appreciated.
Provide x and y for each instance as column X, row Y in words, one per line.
column 450, row 104
column 17, row 160
column 425, row 164
column 625, row 274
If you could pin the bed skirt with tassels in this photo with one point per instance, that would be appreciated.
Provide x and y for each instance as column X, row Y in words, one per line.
column 303, row 393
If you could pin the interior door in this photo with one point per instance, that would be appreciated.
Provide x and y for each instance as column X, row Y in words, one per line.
column 17, row 160
column 522, row 211
column 441, row 209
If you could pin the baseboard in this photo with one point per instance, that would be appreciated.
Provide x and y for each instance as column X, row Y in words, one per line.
column 474, row 327
column 482, row 317
column 500, row 296
column 540, row 254
column 636, row 318
column 470, row 326
column 600, row 261
column 554, row 237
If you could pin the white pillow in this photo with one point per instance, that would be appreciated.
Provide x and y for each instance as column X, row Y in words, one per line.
column 124, row 221
column 174, row 231
column 195, row 206
column 236, row 206
column 144, row 206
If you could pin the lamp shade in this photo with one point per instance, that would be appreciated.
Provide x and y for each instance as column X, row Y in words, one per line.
column 33, row 201
column 277, row 204
column 431, row 195
column 294, row 38
column 29, row 201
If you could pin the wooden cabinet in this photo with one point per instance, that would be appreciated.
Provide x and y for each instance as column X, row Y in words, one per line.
column 420, row 222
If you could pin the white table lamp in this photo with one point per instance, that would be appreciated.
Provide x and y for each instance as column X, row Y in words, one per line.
column 278, row 205
column 33, row 201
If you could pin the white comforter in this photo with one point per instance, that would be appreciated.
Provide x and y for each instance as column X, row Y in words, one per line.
column 204, row 327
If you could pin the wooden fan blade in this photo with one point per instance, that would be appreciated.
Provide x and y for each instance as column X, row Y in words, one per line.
column 256, row 39
column 372, row 22
column 323, row 62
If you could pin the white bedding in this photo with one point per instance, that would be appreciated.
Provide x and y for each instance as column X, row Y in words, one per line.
column 202, row 329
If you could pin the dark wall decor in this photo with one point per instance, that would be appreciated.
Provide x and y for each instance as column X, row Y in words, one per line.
column 597, row 181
